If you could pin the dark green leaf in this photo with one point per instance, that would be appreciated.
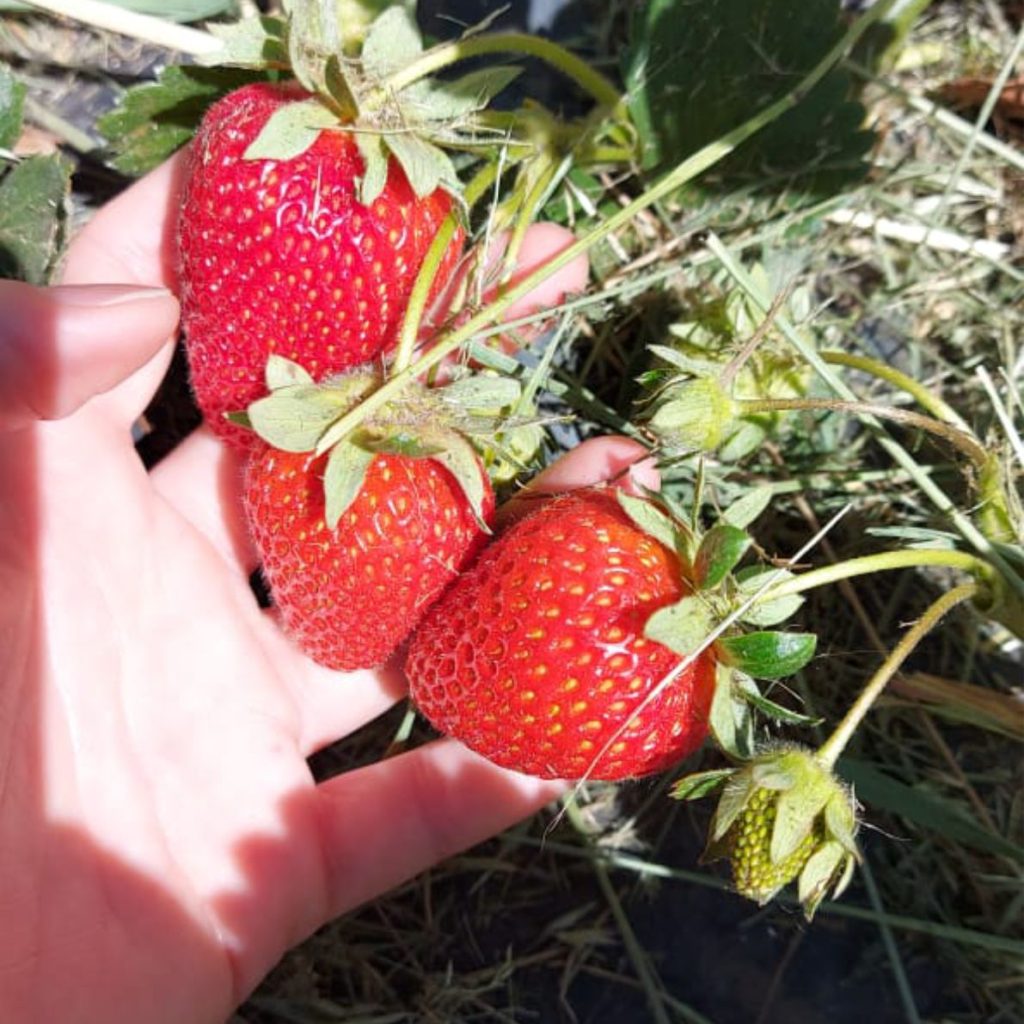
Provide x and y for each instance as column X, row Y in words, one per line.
column 777, row 712
column 12, row 103
column 768, row 655
column 682, row 627
column 343, row 479
column 151, row 121
column 291, row 130
column 720, row 549
column 694, row 71
column 693, row 787
column 34, row 218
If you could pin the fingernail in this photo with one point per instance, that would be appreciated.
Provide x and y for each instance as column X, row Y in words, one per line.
column 93, row 296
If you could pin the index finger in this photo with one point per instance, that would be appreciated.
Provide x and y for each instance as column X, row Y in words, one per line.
column 131, row 239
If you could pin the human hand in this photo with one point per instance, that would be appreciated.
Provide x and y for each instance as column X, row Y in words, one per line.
column 162, row 841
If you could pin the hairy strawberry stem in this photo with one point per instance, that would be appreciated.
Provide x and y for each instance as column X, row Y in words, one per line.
column 831, row 749
column 960, row 439
column 928, row 401
column 686, row 171
column 424, row 284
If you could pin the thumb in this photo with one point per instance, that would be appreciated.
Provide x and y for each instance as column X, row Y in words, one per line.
column 61, row 346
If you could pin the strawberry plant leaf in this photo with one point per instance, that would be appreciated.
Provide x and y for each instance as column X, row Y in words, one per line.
column 816, row 877
column 768, row 655
column 291, row 130
column 728, row 58
column 699, row 784
column 732, row 801
column 481, row 392
column 744, row 511
column 393, row 42
column 681, row 627
column 401, row 442
column 12, row 104
column 426, row 166
column 295, row 418
column 153, row 120
column 460, row 459
column 343, row 479
column 720, row 549
column 260, row 42
column 283, row 373
column 777, row 712
column 34, row 218
column 766, row 613
column 440, row 100
column 649, row 518
column 375, row 166
column 730, row 719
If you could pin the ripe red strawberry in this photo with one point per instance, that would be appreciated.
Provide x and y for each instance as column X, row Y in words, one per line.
column 536, row 657
column 280, row 256
column 350, row 596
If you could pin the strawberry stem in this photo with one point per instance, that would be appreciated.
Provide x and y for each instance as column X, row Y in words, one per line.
column 954, row 435
column 928, row 401
column 833, row 747
column 424, row 284
column 881, row 562
column 682, row 173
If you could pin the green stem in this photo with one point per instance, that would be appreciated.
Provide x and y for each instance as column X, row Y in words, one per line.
column 882, row 562
column 534, row 195
column 424, row 284
column 956, row 437
column 830, row 750
column 694, row 165
column 928, row 401
column 602, row 89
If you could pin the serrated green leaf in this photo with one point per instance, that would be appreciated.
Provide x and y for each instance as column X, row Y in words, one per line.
column 795, row 812
column 392, row 42
column 460, row 459
column 745, row 510
column 34, row 218
column 480, row 391
column 720, row 549
column 695, row 71
column 295, row 418
column 153, row 120
column 344, row 474
column 730, row 719
column 693, row 787
column 291, row 130
column 753, row 579
column 12, row 105
column 767, row 654
column 439, row 100
column 284, row 373
column 681, row 627
column 778, row 713
column 259, row 42
column 426, row 166
column 649, row 518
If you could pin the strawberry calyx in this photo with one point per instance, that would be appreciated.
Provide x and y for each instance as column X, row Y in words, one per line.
column 782, row 816
column 424, row 423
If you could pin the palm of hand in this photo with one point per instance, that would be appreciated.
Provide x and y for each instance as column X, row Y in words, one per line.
column 162, row 842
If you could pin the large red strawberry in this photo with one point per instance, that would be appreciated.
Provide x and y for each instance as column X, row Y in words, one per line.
column 349, row 596
column 281, row 256
column 536, row 658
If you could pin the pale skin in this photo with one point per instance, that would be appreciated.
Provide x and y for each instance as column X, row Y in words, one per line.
column 162, row 842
